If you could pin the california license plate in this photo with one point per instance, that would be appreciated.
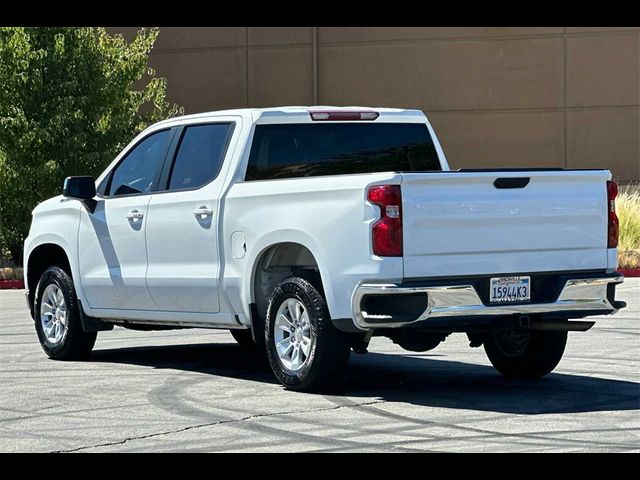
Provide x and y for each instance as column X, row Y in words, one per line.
column 510, row 289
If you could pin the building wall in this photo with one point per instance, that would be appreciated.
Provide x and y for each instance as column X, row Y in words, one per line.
column 497, row 96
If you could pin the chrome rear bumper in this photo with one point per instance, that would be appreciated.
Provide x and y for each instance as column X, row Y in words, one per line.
column 579, row 295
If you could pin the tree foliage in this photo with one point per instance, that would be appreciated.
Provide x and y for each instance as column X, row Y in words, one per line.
column 70, row 100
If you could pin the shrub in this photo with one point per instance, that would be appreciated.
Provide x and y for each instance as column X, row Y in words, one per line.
column 628, row 209
column 70, row 100
column 11, row 273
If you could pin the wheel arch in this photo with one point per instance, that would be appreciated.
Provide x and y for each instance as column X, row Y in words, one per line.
column 42, row 256
column 294, row 251
column 278, row 261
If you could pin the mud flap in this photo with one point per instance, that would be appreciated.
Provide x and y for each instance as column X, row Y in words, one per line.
column 92, row 324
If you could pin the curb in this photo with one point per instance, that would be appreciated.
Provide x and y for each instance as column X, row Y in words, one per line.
column 11, row 284
column 630, row 272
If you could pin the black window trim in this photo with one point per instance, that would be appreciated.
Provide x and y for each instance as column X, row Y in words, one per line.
column 154, row 185
column 172, row 153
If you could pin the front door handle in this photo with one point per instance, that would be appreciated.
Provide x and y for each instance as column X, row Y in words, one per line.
column 203, row 212
column 135, row 215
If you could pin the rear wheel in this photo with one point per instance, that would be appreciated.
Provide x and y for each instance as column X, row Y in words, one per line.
column 522, row 353
column 306, row 351
column 57, row 318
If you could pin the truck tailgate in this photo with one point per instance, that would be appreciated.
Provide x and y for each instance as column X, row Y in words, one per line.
column 460, row 223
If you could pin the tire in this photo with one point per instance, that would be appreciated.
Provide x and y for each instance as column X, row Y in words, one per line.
column 321, row 361
column 74, row 343
column 244, row 338
column 525, row 354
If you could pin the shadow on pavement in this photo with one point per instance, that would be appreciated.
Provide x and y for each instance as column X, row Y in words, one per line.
column 427, row 380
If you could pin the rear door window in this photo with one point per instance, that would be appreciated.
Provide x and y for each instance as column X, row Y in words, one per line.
column 200, row 155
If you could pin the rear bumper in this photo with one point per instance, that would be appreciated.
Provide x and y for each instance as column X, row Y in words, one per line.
column 439, row 304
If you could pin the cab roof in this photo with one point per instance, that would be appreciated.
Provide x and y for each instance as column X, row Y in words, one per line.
column 293, row 113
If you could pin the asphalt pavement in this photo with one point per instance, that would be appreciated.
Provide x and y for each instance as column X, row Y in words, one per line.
column 196, row 390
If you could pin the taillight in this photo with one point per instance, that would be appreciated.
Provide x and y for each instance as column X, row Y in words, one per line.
column 386, row 233
column 341, row 115
column 613, row 224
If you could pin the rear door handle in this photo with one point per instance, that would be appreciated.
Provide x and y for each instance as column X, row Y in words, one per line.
column 135, row 215
column 203, row 212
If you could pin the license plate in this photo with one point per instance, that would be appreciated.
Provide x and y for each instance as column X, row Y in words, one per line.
column 510, row 289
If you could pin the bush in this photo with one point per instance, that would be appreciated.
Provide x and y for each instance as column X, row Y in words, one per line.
column 11, row 273
column 628, row 210
column 70, row 100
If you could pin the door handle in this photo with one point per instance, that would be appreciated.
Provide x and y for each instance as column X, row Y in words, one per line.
column 135, row 215
column 203, row 212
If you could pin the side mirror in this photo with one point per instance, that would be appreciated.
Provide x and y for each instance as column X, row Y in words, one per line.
column 81, row 188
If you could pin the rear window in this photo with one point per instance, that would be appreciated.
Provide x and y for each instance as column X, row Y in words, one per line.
column 307, row 150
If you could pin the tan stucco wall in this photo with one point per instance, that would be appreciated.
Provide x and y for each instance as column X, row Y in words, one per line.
column 497, row 96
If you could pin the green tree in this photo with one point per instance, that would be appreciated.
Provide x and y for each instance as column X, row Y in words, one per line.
column 70, row 100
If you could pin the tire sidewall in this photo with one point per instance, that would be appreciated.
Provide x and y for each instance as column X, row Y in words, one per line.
column 505, row 346
column 543, row 352
column 294, row 288
column 58, row 277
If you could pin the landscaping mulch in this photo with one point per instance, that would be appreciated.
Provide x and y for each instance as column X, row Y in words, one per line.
column 11, row 284
column 630, row 272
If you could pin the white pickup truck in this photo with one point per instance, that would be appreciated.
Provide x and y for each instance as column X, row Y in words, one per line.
column 312, row 229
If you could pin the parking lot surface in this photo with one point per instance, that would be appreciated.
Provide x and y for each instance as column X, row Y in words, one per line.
column 196, row 390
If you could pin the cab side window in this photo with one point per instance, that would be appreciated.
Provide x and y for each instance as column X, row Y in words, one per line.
column 137, row 172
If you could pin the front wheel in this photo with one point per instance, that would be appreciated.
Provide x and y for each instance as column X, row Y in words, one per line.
column 57, row 318
column 522, row 353
column 305, row 350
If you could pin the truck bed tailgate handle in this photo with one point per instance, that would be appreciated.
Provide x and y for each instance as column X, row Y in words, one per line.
column 511, row 182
